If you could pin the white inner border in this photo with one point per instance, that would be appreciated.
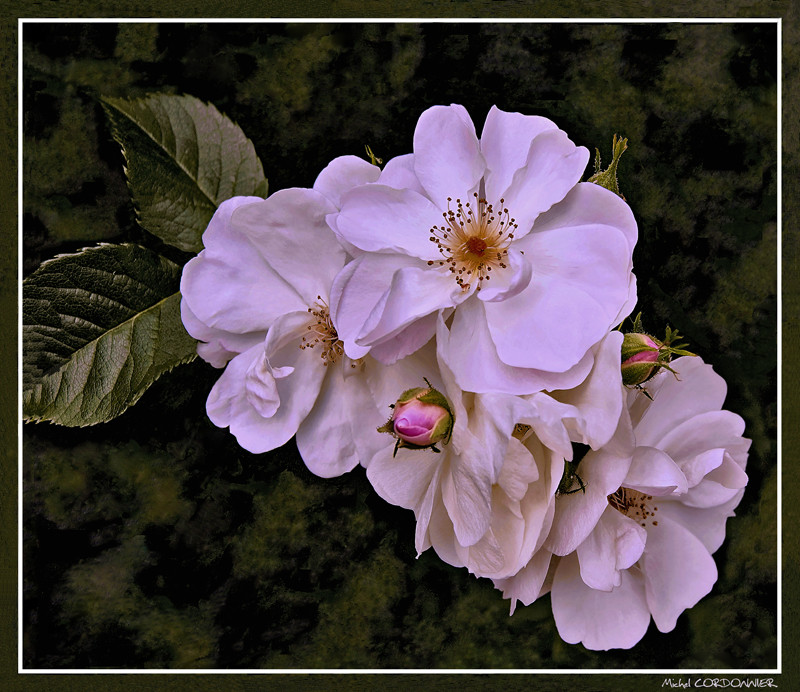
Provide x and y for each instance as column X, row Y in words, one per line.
column 679, row 673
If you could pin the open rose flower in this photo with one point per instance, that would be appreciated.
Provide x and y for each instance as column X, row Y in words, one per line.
column 638, row 542
column 257, row 297
column 536, row 264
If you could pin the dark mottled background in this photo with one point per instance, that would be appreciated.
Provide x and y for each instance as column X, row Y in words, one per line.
column 155, row 541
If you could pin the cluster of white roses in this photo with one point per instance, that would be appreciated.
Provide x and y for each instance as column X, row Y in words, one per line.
column 469, row 292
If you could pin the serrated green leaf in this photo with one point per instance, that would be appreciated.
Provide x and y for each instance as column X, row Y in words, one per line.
column 98, row 328
column 183, row 159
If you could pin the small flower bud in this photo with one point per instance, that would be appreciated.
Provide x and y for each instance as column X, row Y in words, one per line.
column 640, row 358
column 421, row 418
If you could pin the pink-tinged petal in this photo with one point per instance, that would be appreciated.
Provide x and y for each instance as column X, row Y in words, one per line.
column 424, row 513
column 219, row 346
column 403, row 479
column 441, row 536
column 697, row 389
column 505, row 142
column 379, row 218
column 229, row 286
column 413, row 294
column 466, row 492
column 577, row 514
column 447, row 157
column 600, row 620
column 694, row 437
column 707, row 523
column 509, row 283
column 526, row 585
column 598, row 401
column 630, row 302
column 468, row 349
column 343, row 174
column 728, row 474
column 406, row 342
column 341, row 430
column 518, row 472
column 399, row 174
column 546, row 418
column 387, row 383
column 708, row 493
column 290, row 233
column 590, row 205
column 678, row 572
column 615, row 544
column 217, row 236
column 580, row 280
column 492, row 421
column 653, row 472
column 231, row 401
column 357, row 289
column 553, row 167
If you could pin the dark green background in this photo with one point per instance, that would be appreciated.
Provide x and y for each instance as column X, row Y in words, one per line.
column 155, row 541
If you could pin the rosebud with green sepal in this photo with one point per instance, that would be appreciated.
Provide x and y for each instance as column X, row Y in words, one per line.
column 420, row 419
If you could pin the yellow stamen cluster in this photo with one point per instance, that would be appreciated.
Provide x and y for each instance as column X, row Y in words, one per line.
column 634, row 504
column 474, row 240
column 323, row 332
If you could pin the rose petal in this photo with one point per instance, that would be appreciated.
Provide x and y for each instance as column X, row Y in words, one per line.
column 343, row 174
column 447, row 157
column 678, row 572
column 505, row 142
column 600, row 620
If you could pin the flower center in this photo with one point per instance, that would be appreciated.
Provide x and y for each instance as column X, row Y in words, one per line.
column 323, row 333
column 473, row 240
column 634, row 504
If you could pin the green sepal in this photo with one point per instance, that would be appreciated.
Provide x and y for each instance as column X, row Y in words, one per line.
column 608, row 177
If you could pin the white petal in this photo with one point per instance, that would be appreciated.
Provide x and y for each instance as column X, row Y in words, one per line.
column 466, row 492
column 696, row 390
column 505, row 142
column 447, row 157
column 379, row 218
column 413, row 294
column 289, row 231
column 406, row 342
column 230, row 404
column 707, row 523
column 678, row 572
column 588, row 204
column 598, row 401
column 526, row 585
column 600, row 620
column 403, row 479
column 341, row 430
column 654, row 473
column 468, row 349
column 553, row 167
column 343, row 174
column 220, row 346
column 508, row 283
column 399, row 174
column 577, row 514
column 355, row 292
column 580, row 280
column 615, row 544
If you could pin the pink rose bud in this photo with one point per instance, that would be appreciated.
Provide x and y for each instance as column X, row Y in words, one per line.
column 640, row 358
column 421, row 418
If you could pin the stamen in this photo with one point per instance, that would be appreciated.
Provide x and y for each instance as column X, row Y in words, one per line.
column 322, row 332
column 635, row 505
column 473, row 240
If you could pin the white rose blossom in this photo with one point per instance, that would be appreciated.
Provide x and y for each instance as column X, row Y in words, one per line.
column 486, row 501
column 536, row 264
column 258, row 297
column 638, row 542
